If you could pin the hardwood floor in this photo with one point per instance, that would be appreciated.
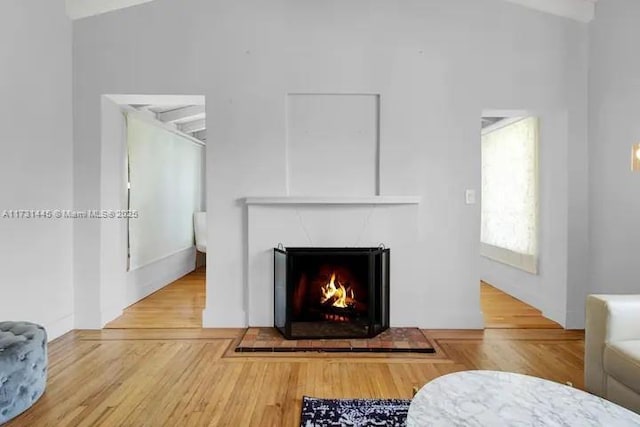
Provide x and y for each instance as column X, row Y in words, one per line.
column 191, row 377
column 178, row 305
column 143, row 375
column 504, row 311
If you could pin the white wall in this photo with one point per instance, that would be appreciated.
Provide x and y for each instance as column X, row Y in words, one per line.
column 578, row 181
column 113, row 233
column 332, row 144
column 166, row 183
column 36, row 279
column 614, row 126
column 435, row 64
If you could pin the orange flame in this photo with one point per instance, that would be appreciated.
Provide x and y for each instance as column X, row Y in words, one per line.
column 341, row 295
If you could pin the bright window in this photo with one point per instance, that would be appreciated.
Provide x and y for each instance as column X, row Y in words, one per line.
column 509, row 230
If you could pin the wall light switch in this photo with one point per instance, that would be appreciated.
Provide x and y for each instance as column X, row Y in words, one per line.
column 470, row 197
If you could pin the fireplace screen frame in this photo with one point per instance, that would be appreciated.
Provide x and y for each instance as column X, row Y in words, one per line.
column 377, row 319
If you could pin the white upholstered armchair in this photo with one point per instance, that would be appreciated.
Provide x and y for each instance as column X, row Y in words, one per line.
column 200, row 230
column 612, row 348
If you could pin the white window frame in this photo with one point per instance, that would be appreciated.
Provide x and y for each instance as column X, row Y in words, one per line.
column 524, row 262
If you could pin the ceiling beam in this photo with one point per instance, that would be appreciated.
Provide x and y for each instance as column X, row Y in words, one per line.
column 194, row 126
column 144, row 109
column 185, row 114
column 201, row 135
column 155, row 122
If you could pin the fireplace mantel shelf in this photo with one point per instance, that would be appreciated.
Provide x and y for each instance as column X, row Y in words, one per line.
column 365, row 200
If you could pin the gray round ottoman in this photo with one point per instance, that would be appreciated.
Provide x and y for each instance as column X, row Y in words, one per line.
column 23, row 367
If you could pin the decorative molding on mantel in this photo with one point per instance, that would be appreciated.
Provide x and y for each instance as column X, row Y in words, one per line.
column 366, row 200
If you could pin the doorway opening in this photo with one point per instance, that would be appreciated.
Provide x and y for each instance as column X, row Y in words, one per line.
column 156, row 153
column 510, row 225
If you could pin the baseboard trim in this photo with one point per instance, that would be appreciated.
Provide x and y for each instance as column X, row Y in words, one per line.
column 556, row 317
column 575, row 319
column 110, row 314
column 184, row 264
column 451, row 320
column 59, row 327
column 237, row 320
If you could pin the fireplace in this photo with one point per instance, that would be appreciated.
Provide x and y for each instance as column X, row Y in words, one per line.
column 331, row 292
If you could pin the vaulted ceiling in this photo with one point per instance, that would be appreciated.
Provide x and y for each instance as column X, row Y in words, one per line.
column 579, row 10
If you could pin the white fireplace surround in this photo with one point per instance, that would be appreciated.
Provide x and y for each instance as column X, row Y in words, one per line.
column 334, row 222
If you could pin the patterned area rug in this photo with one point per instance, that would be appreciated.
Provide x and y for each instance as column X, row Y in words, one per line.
column 393, row 340
column 353, row 412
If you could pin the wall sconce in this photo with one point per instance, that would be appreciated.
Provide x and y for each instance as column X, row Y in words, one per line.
column 635, row 157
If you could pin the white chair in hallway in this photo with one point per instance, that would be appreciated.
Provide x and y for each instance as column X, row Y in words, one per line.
column 200, row 229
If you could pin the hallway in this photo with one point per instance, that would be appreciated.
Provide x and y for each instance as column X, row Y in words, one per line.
column 177, row 305
column 502, row 311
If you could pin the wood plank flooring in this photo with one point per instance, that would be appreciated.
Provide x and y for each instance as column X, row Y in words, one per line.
column 144, row 375
column 178, row 305
column 504, row 311
column 191, row 377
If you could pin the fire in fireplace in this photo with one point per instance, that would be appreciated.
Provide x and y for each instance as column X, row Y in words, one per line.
column 331, row 292
column 336, row 296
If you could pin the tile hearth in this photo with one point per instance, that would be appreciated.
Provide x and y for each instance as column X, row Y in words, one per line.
column 393, row 340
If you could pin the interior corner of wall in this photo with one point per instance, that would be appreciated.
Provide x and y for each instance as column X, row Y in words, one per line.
column 109, row 314
column 557, row 315
column 60, row 327
column 575, row 319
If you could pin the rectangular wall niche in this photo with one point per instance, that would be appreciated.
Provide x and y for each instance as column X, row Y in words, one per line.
column 333, row 144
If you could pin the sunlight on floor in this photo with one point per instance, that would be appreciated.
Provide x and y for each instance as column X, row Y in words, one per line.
column 177, row 305
column 502, row 311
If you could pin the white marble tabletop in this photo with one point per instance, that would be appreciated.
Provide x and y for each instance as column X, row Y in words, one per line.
column 494, row 399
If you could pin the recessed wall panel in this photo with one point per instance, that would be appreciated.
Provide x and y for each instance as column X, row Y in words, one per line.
column 332, row 145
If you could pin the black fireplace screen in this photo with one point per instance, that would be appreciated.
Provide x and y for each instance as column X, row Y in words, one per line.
column 331, row 292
